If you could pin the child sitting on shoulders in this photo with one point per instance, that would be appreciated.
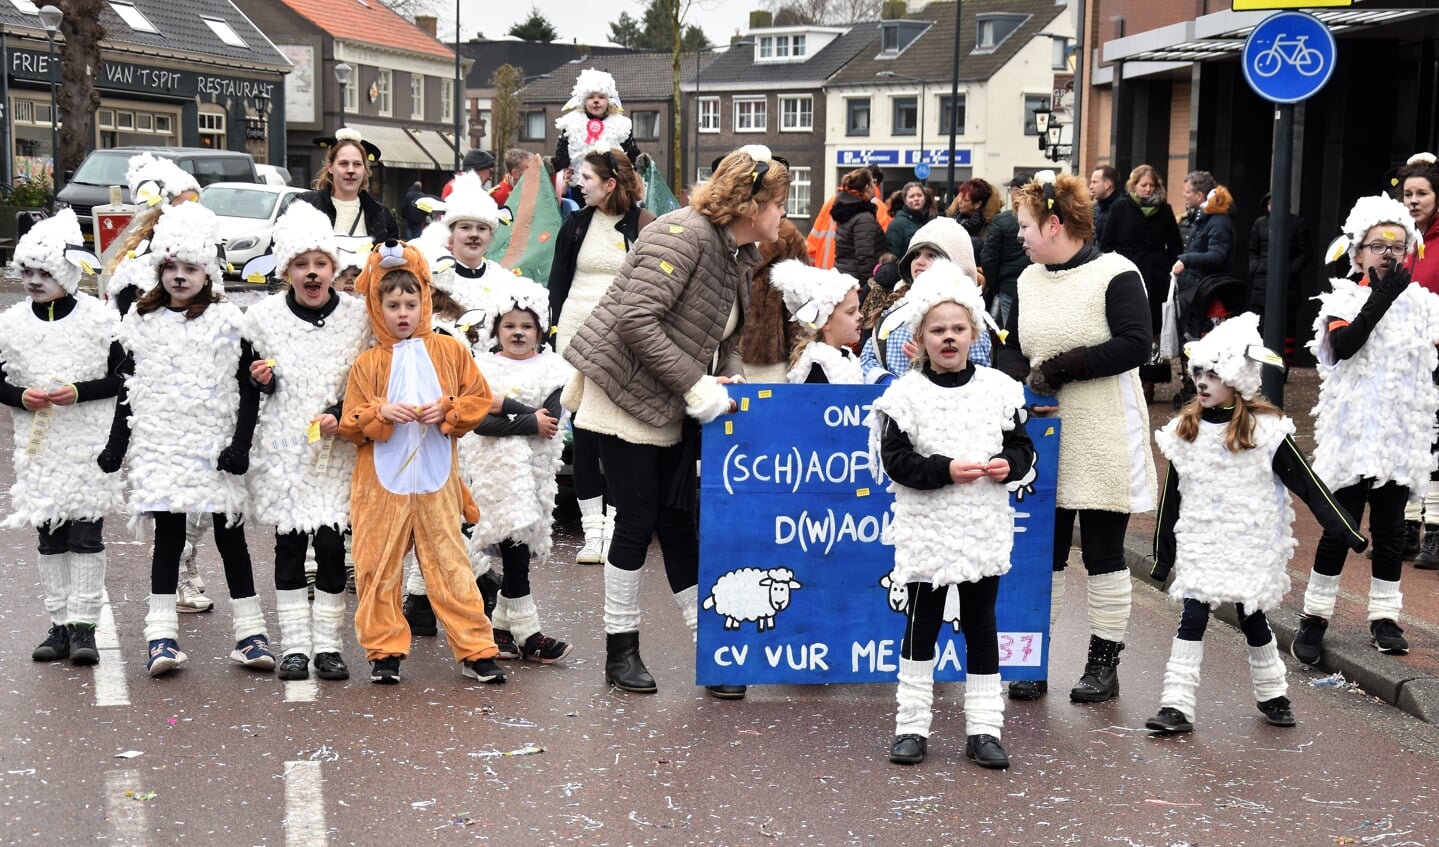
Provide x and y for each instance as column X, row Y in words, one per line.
column 1223, row 525
column 825, row 304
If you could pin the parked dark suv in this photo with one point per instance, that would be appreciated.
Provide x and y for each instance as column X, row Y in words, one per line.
column 90, row 185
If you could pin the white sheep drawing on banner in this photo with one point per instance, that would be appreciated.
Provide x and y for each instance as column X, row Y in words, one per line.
column 752, row 594
column 899, row 601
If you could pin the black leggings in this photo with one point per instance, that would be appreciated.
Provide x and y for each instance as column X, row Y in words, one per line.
column 640, row 478
column 71, row 537
column 1195, row 619
column 515, row 561
column 1386, row 529
column 585, row 464
column 329, row 560
column 1101, row 539
column 976, row 620
column 170, row 543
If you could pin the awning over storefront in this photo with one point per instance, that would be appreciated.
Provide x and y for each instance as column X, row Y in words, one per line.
column 397, row 148
column 439, row 145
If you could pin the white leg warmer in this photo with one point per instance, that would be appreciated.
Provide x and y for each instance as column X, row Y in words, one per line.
column 414, row 580
column 1056, row 598
column 983, row 705
column 524, row 618
column 592, row 521
column 87, row 587
column 1268, row 672
column 247, row 618
column 55, row 580
column 915, row 698
column 622, row 600
column 1385, row 600
column 688, row 601
column 501, row 618
column 292, row 610
column 328, row 614
column 1181, row 676
column 1319, row 597
column 162, row 621
column 1109, row 597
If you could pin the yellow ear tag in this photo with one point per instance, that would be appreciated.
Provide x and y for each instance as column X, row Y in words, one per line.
column 666, row 266
column 1003, row 336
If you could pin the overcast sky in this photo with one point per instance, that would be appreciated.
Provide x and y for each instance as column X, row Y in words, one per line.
column 588, row 20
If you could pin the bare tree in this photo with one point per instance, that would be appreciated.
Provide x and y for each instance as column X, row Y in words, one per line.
column 852, row 11
column 76, row 97
column 410, row 8
column 505, row 107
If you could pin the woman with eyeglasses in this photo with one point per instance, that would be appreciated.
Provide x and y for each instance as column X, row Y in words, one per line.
column 589, row 251
column 648, row 380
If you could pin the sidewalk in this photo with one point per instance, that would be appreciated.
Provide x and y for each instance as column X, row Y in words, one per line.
column 1409, row 682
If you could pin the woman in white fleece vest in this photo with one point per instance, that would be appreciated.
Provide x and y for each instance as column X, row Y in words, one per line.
column 1078, row 333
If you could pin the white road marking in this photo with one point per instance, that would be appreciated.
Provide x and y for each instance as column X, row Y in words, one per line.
column 110, row 687
column 128, row 817
column 302, row 690
column 304, row 805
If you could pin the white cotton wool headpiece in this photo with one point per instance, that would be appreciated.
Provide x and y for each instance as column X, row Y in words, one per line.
column 593, row 81
column 301, row 229
column 190, row 233
column 944, row 281
column 469, row 201
column 155, row 179
column 1235, row 352
column 811, row 294
column 518, row 292
column 1369, row 212
column 43, row 248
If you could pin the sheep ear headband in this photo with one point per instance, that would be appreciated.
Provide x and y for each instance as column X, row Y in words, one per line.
column 1235, row 353
column 811, row 294
column 1369, row 212
column 1045, row 179
column 941, row 282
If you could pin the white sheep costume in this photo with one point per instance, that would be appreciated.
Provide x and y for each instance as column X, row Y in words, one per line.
column 472, row 288
column 154, row 182
column 574, row 124
column 811, row 295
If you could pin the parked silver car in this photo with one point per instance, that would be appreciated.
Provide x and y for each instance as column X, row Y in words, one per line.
column 247, row 213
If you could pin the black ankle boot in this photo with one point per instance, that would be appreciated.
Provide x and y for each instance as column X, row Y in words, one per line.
column 1100, row 681
column 1028, row 689
column 419, row 614
column 624, row 669
column 489, row 584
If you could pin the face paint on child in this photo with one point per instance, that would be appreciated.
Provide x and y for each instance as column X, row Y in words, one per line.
column 947, row 332
column 1212, row 391
column 183, row 281
column 310, row 274
column 519, row 334
column 40, row 286
column 469, row 240
column 402, row 313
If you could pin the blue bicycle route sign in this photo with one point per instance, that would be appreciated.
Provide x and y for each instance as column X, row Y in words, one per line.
column 1289, row 57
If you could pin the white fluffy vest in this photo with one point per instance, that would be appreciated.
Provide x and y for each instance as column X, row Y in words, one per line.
column 1232, row 541
column 1375, row 415
column 56, row 479
column 573, row 125
column 513, row 479
column 1104, row 457
column 185, row 398
column 932, row 542
column 840, row 367
column 295, row 484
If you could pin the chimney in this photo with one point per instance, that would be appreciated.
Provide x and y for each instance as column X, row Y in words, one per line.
column 428, row 23
column 761, row 19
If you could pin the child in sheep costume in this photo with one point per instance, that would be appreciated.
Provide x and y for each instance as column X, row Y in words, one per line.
column 189, row 408
column 825, row 303
column 409, row 399
column 305, row 341
column 511, row 461
column 57, row 373
column 467, row 281
column 592, row 115
column 1223, row 524
column 951, row 438
column 154, row 182
column 1374, row 338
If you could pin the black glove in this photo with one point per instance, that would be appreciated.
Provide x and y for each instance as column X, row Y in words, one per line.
column 1064, row 368
column 234, row 459
column 1391, row 285
column 1359, row 546
column 1159, row 572
column 110, row 459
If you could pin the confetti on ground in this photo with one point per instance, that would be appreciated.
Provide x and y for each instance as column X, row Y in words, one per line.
column 420, row 804
column 1151, row 801
column 141, row 795
column 128, row 754
column 531, row 750
column 324, row 753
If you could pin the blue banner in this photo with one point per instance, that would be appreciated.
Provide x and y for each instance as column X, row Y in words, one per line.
column 794, row 582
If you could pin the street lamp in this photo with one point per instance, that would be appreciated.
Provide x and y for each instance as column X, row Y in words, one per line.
column 255, row 127
column 50, row 18
column 342, row 76
column 922, row 97
column 1041, row 121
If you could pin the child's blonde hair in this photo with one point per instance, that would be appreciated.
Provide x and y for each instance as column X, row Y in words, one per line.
column 1239, row 435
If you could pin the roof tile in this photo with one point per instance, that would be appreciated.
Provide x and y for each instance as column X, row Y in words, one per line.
column 369, row 22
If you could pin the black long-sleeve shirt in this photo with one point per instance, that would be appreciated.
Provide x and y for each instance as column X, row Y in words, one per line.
column 91, row 389
column 913, row 469
column 515, row 418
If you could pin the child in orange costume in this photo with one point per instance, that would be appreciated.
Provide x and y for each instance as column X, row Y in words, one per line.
column 409, row 399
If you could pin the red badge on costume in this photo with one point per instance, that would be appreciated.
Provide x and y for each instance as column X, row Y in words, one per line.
column 593, row 129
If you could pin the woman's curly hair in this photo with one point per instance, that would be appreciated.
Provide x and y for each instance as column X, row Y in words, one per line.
column 739, row 188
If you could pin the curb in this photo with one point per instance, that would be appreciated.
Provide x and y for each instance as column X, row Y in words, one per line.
column 1380, row 675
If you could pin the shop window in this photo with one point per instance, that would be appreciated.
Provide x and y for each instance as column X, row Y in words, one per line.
column 417, row 96
column 211, row 126
column 797, row 204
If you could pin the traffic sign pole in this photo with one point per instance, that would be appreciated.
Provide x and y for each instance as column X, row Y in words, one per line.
column 1276, row 296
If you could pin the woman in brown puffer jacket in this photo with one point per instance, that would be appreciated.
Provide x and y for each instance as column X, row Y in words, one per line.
column 858, row 237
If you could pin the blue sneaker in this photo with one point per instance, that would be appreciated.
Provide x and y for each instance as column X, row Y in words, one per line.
column 254, row 652
column 165, row 656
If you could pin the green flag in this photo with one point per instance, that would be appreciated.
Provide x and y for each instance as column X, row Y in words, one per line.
column 658, row 197
column 527, row 245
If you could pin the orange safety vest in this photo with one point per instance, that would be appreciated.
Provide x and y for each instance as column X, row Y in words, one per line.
column 820, row 241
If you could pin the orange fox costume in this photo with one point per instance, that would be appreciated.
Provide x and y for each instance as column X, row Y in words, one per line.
column 390, row 510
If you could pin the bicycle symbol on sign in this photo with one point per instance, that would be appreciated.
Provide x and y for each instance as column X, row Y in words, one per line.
column 1305, row 59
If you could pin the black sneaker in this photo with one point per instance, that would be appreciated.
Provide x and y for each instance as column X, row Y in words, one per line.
column 1170, row 721
column 505, row 640
column 385, row 671
column 165, row 656
column 1308, row 644
column 331, row 666
column 294, row 666
column 1277, row 712
column 1387, row 637
column 419, row 615
column 55, row 647
column 484, row 670
column 544, row 649
column 908, row 749
column 82, row 645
